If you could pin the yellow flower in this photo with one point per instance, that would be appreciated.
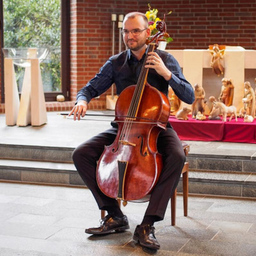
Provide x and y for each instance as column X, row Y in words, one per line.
column 157, row 19
column 151, row 15
column 152, row 27
column 147, row 14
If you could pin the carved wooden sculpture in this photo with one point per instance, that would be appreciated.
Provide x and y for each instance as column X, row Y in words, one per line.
column 217, row 56
column 249, row 99
column 198, row 104
column 227, row 92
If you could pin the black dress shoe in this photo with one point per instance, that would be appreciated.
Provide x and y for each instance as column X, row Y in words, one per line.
column 145, row 236
column 110, row 224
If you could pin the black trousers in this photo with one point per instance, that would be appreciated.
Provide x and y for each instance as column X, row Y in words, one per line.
column 86, row 155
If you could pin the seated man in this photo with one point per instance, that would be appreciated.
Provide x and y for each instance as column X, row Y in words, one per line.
column 123, row 69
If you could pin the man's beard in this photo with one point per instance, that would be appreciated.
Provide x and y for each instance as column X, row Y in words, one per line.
column 135, row 47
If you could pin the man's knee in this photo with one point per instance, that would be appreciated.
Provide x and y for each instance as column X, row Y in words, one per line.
column 177, row 156
column 74, row 155
column 182, row 157
column 78, row 154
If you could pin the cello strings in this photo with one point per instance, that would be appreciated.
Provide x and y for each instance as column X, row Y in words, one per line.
column 134, row 106
column 137, row 96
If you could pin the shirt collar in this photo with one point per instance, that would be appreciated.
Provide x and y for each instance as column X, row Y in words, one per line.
column 131, row 57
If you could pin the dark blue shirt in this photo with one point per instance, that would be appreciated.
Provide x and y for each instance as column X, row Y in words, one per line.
column 123, row 70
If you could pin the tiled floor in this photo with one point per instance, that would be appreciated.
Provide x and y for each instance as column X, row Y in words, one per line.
column 47, row 220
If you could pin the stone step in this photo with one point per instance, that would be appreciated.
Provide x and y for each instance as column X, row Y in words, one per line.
column 222, row 163
column 235, row 184
column 39, row 172
column 36, row 153
column 64, row 155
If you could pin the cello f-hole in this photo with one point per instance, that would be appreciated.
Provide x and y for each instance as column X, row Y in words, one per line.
column 141, row 146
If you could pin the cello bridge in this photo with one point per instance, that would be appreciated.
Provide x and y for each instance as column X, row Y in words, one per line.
column 124, row 142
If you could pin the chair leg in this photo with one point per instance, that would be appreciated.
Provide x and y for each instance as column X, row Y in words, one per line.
column 173, row 208
column 185, row 196
column 185, row 192
column 119, row 202
column 103, row 212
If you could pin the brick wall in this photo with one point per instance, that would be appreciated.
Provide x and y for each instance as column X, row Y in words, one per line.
column 91, row 40
column 194, row 24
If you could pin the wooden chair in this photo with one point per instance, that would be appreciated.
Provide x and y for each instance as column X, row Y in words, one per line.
column 184, row 174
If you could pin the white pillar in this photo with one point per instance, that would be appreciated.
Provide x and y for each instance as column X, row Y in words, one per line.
column 12, row 101
column 38, row 107
column 24, row 116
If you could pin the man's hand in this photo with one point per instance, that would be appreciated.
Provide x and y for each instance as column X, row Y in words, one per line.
column 79, row 109
column 155, row 62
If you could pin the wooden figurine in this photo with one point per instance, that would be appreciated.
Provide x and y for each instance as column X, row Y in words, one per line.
column 182, row 114
column 220, row 108
column 248, row 100
column 227, row 92
column 174, row 102
column 217, row 56
column 248, row 119
column 200, row 116
column 199, row 104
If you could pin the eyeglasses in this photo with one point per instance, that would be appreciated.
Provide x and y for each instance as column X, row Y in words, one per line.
column 135, row 32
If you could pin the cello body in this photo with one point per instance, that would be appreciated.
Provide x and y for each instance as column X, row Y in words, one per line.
column 130, row 167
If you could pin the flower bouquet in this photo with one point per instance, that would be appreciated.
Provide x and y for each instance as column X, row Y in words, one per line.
column 157, row 26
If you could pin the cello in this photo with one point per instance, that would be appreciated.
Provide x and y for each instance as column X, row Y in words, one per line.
column 129, row 168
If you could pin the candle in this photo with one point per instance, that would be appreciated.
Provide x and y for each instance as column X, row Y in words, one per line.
column 120, row 24
column 113, row 17
column 121, row 17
